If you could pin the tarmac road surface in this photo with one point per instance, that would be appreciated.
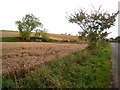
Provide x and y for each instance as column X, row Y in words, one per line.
column 115, row 65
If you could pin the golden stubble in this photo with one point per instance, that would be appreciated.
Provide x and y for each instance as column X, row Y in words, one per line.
column 21, row 57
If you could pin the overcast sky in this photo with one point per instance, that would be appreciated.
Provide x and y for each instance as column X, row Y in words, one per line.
column 52, row 13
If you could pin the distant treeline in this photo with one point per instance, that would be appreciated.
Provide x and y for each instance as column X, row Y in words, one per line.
column 117, row 39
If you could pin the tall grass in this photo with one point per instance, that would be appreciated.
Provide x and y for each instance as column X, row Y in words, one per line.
column 86, row 69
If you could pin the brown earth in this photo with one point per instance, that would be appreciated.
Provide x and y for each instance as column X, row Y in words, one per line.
column 10, row 34
column 24, row 56
column 63, row 37
column 52, row 36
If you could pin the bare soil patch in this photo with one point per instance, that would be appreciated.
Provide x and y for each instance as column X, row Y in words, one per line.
column 62, row 37
column 10, row 34
column 25, row 56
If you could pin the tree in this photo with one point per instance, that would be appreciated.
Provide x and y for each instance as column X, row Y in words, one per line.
column 27, row 25
column 44, row 35
column 94, row 25
column 117, row 38
column 37, row 33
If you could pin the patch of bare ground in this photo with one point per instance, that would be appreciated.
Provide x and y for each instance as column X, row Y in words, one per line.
column 63, row 37
column 21, row 57
column 10, row 34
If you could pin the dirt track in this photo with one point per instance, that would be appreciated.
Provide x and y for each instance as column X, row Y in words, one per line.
column 30, row 55
column 115, row 65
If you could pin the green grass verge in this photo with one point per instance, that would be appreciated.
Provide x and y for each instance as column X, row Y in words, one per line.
column 10, row 39
column 18, row 39
column 15, row 39
column 86, row 69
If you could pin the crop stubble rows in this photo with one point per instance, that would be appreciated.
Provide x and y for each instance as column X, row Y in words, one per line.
column 30, row 55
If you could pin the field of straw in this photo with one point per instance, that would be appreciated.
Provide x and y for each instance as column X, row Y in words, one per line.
column 21, row 57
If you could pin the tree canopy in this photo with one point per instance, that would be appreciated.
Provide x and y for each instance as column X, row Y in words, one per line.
column 94, row 24
column 28, row 23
